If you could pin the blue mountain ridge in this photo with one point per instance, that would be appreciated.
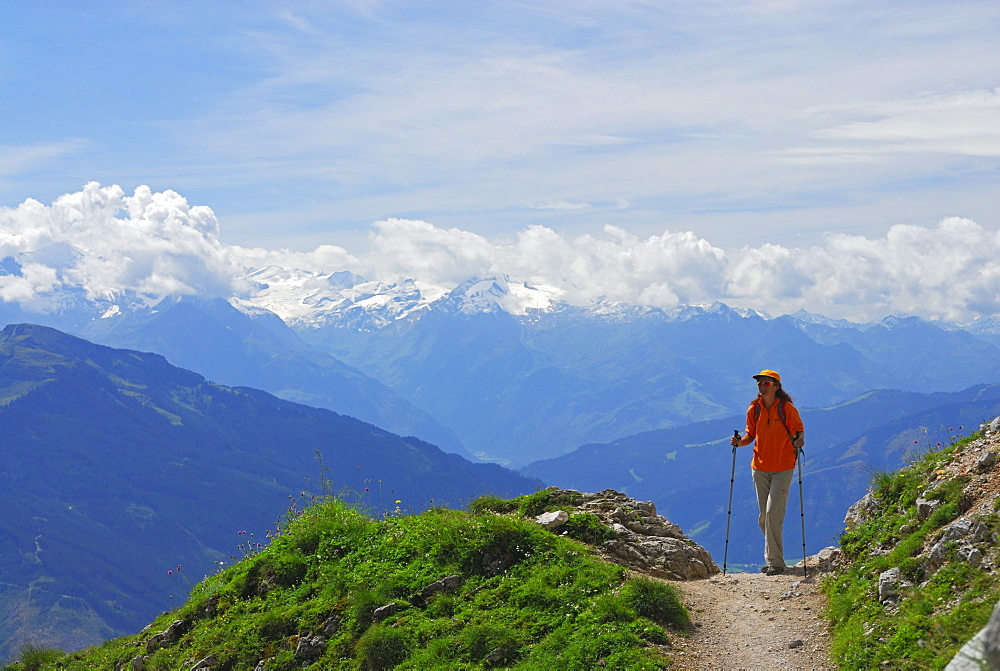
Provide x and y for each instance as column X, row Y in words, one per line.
column 686, row 471
column 118, row 467
column 519, row 388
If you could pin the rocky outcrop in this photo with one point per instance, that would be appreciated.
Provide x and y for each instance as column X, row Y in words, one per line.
column 968, row 538
column 642, row 539
column 983, row 651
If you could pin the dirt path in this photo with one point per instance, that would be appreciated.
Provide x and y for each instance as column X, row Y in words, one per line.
column 754, row 621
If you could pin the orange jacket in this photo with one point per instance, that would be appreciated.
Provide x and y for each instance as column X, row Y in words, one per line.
column 772, row 450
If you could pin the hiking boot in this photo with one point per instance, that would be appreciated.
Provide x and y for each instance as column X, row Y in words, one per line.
column 773, row 570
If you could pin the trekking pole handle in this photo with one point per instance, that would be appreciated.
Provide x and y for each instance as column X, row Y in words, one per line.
column 735, row 442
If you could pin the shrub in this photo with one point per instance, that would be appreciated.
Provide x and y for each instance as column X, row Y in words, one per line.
column 657, row 601
column 587, row 528
column 492, row 504
column 533, row 505
column 381, row 647
column 34, row 658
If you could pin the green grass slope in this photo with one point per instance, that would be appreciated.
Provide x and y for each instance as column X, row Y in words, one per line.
column 935, row 522
column 116, row 465
column 442, row 589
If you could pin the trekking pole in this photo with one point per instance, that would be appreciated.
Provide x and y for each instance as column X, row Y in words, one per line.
column 802, row 513
column 729, row 515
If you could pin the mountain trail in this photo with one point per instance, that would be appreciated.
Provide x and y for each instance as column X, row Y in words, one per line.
column 754, row 621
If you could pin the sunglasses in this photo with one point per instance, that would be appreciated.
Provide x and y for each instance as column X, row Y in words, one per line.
column 765, row 383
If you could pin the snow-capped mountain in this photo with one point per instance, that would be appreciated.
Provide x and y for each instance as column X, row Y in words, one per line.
column 310, row 300
column 307, row 300
column 499, row 365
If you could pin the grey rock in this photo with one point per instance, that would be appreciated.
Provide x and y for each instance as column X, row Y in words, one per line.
column 937, row 556
column 208, row 662
column 957, row 530
column 385, row 611
column 991, row 426
column 971, row 555
column 174, row 632
column 310, row 647
column 889, row 584
column 154, row 643
column 925, row 507
column 983, row 651
column 447, row 583
column 861, row 511
column 553, row 520
column 643, row 539
column 332, row 625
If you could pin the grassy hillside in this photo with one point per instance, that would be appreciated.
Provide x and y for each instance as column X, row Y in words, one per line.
column 115, row 466
column 442, row 589
column 918, row 576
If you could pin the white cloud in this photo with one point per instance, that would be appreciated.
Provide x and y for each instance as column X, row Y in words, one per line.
column 558, row 205
column 157, row 244
column 963, row 123
column 948, row 271
column 103, row 241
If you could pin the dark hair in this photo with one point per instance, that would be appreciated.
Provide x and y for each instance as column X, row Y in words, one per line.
column 783, row 395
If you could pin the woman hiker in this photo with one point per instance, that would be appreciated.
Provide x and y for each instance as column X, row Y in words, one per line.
column 775, row 425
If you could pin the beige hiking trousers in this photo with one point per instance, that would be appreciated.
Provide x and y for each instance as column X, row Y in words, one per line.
column 772, row 496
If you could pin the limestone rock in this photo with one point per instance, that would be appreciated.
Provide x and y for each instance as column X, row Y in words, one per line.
column 889, row 584
column 861, row 511
column 385, row 611
column 310, row 648
column 644, row 540
column 983, row 651
column 553, row 520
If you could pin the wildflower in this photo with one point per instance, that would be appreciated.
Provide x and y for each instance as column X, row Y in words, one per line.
column 398, row 501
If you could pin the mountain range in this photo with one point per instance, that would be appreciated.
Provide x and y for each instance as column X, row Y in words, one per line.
column 505, row 371
column 518, row 385
column 122, row 474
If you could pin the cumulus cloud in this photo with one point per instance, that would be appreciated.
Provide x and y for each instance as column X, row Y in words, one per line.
column 948, row 271
column 157, row 244
column 103, row 241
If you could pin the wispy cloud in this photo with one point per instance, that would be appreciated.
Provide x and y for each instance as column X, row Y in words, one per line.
column 496, row 116
column 965, row 123
column 19, row 159
column 558, row 205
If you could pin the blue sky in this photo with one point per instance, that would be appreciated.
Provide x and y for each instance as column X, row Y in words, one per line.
column 747, row 123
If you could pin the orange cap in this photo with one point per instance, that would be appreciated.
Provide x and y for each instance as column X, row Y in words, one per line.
column 767, row 372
